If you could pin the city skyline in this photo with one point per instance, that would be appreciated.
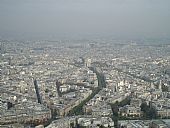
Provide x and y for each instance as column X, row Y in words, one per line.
column 84, row 64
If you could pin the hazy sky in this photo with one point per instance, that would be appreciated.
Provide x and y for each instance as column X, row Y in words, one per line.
column 27, row 19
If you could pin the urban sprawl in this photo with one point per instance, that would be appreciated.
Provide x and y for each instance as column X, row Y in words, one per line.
column 84, row 84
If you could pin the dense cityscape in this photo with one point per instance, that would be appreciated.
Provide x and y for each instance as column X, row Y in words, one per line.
column 85, row 84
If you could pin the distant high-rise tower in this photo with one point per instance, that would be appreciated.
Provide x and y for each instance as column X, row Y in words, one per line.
column 58, row 84
column 2, row 48
column 160, row 85
column 37, row 91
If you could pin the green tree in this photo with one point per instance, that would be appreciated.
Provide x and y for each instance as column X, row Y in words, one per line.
column 149, row 112
column 144, row 107
column 152, row 114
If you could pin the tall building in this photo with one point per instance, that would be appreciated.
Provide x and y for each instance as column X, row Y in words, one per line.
column 37, row 91
column 160, row 85
column 88, row 62
column 2, row 48
column 152, row 85
column 58, row 84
